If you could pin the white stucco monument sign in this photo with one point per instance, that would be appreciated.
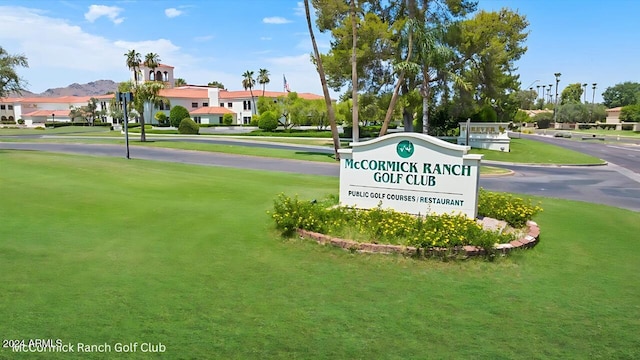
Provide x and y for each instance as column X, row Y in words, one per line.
column 412, row 173
column 491, row 136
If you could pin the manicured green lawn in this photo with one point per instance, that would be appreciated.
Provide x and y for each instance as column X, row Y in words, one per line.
column 630, row 133
column 82, row 130
column 535, row 152
column 99, row 250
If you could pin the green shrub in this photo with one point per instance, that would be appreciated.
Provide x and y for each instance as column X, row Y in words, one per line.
column 255, row 119
column 132, row 125
column 268, row 121
column 162, row 118
column 188, row 126
column 383, row 225
column 514, row 210
column 227, row 119
column 21, row 121
column 176, row 115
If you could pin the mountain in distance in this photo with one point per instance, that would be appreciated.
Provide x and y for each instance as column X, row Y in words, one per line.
column 99, row 87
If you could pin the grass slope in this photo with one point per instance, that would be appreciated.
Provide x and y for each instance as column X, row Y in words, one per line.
column 99, row 250
column 535, row 152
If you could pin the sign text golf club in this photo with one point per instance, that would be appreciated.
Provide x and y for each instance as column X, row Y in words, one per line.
column 411, row 173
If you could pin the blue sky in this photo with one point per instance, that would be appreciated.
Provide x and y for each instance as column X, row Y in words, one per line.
column 77, row 41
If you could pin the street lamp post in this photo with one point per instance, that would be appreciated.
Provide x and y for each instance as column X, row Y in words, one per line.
column 585, row 92
column 555, row 107
column 549, row 92
column 593, row 98
column 543, row 95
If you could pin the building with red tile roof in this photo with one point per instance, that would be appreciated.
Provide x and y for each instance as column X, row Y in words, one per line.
column 205, row 104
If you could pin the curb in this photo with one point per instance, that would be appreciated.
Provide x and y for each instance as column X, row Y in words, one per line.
column 528, row 241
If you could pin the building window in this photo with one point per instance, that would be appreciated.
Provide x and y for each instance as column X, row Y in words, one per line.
column 219, row 119
column 229, row 105
column 246, row 105
column 205, row 104
column 197, row 119
column 246, row 119
column 194, row 105
column 221, row 104
column 2, row 107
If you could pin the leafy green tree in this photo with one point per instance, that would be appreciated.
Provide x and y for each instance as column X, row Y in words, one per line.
column 525, row 99
column 227, row 119
column 248, row 82
column 10, row 82
column 571, row 94
column 521, row 117
column 88, row 113
column 188, row 126
column 147, row 95
column 623, row 94
column 630, row 113
column 180, row 82
column 263, row 78
column 217, row 84
column 573, row 113
column 268, row 121
column 489, row 45
column 176, row 115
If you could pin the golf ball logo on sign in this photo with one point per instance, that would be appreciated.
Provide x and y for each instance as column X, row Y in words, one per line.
column 404, row 149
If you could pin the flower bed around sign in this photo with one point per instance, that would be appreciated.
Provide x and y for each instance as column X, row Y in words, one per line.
column 390, row 227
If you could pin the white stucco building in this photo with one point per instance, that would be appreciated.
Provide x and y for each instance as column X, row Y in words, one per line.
column 206, row 105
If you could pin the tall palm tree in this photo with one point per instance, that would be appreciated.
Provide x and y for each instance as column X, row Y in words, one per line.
column 323, row 79
column 248, row 83
column 152, row 61
column 133, row 63
column 180, row 82
column 263, row 78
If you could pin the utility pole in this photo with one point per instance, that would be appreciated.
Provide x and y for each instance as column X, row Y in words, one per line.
column 124, row 98
column 555, row 107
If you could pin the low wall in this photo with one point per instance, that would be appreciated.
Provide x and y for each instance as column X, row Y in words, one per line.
column 527, row 241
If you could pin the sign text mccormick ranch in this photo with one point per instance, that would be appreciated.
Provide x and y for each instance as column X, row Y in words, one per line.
column 412, row 173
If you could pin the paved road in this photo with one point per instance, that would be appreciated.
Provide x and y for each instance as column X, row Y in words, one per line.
column 603, row 185
column 625, row 154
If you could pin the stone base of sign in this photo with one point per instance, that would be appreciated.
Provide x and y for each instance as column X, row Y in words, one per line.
column 488, row 144
column 529, row 240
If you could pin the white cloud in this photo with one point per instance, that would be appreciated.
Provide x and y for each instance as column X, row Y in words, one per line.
column 97, row 11
column 172, row 12
column 265, row 38
column 60, row 53
column 299, row 9
column 275, row 20
column 203, row 38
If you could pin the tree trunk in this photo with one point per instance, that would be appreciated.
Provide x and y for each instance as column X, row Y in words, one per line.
column 424, row 92
column 325, row 88
column 253, row 109
column 407, row 118
column 354, row 74
column 143, row 135
column 396, row 89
